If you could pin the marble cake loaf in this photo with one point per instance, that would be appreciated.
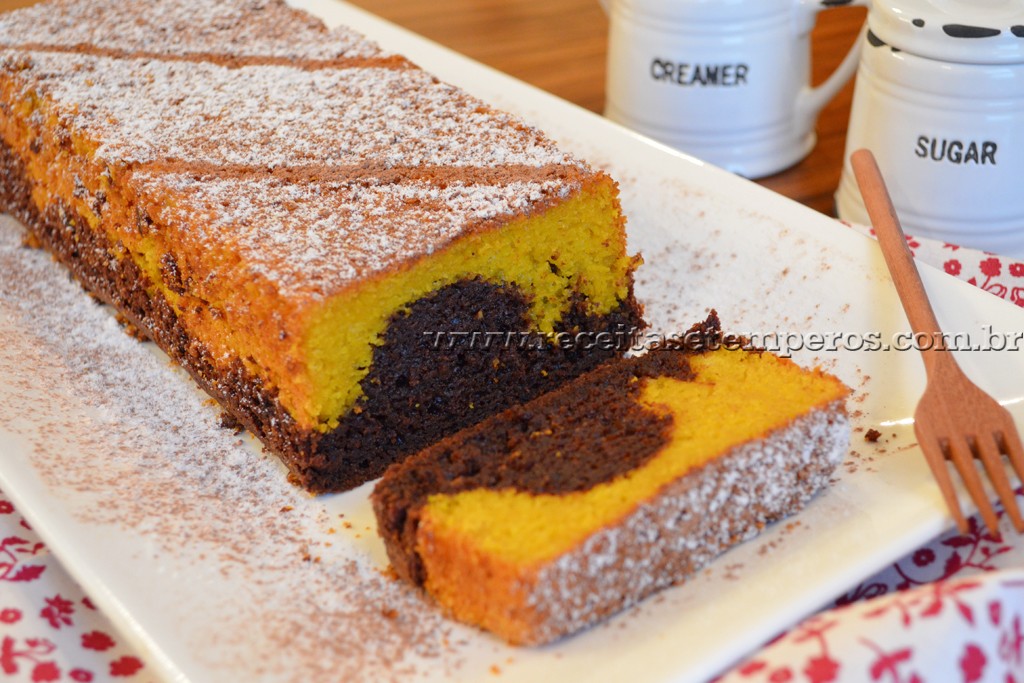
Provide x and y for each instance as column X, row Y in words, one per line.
column 552, row 515
column 312, row 227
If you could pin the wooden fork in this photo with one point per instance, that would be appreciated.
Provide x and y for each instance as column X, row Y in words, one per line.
column 955, row 420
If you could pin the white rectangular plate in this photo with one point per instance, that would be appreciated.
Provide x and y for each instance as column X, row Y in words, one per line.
column 217, row 569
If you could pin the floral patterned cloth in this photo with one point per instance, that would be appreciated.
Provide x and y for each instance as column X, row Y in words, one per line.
column 965, row 629
column 49, row 630
column 950, row 611
column 995, row 274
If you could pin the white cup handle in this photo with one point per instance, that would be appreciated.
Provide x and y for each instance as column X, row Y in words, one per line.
column 812, row 100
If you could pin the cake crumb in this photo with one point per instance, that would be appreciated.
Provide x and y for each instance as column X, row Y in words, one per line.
column 130, row 328
column 732, row 571
column 872, row 435
column 230, row 422
column 31, row 241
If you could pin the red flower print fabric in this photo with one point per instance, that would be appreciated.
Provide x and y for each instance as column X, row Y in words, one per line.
column 951, row 611
column 957, row 630
column 995, row 274
column 49, row 630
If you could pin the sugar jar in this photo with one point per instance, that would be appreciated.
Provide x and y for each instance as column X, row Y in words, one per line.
column 939, row 99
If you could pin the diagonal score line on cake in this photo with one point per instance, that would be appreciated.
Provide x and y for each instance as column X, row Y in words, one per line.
column 369, row 174
column 227, row 61
column 173, row 118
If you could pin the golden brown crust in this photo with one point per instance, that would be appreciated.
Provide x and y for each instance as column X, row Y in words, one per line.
column 226, row 132
column 228, row 61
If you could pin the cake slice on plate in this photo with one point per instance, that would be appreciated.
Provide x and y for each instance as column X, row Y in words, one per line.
column 554, row 514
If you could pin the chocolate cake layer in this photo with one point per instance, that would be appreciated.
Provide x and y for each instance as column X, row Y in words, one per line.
column 435, row 372
column 559, row 445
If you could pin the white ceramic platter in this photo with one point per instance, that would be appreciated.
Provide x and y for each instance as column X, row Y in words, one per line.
column 190, row 539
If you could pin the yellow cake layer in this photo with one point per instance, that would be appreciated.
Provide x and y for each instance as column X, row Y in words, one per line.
column 737, row 397
column 582, row 238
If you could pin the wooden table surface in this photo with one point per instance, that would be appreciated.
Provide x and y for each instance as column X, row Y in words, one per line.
column 560, row 46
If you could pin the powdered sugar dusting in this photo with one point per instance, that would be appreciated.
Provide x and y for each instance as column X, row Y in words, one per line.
column 327, row 228
column 349, row 147
column 270, row 116
column 183, row 28
column 128, row 443
column 731, row 501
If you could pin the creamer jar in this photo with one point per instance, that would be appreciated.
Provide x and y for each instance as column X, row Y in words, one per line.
column 725, row 80
column 940, row 101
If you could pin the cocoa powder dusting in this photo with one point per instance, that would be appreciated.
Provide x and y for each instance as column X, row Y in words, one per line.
column 138, row 460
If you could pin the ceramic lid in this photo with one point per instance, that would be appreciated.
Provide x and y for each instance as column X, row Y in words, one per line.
column 965, row 31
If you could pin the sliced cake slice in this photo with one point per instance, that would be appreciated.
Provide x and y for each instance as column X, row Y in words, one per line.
column 552, row 515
